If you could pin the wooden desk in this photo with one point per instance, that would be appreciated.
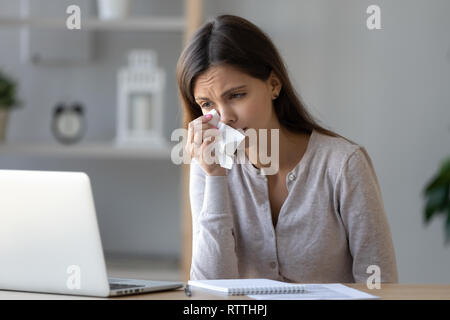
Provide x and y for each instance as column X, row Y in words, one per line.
column 387, row 292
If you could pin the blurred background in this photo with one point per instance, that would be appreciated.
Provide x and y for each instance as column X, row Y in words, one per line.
column 386, row 89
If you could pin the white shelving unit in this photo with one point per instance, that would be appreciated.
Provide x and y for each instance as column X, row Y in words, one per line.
column 100, row 149
column 86, row 150
column 176, row 24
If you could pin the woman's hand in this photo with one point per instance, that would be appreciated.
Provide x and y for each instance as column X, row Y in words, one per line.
column 199, row 145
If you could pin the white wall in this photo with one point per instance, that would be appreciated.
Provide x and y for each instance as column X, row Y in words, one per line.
column 385, row 89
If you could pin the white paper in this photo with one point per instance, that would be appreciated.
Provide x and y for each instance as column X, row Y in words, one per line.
column 230, row 285
column 329, row 291
column 228, row 142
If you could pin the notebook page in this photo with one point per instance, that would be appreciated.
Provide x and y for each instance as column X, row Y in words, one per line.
column 225, row 285
column 329, row 291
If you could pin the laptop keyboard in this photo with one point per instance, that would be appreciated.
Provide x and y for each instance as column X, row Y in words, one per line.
column 116, row 286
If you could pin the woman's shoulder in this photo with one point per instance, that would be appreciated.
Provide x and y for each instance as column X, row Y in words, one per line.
column 336, row 144
column 334, row 150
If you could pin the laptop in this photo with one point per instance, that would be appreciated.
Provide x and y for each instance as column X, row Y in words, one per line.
column 50, row 241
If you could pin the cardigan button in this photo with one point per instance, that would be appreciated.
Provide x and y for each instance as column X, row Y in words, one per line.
column 291, row 177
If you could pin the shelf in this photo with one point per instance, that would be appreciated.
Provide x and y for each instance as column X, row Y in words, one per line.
column 139, row 23
column 91, row 150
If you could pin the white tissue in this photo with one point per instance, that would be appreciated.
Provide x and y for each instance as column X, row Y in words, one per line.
column 228, row 142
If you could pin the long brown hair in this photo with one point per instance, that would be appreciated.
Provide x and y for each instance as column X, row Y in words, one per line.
column 234, row 41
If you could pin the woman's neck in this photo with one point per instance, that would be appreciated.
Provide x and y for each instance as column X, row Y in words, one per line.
column 291, row 148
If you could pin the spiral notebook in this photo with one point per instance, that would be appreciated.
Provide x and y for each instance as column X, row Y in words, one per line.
column 247, row 286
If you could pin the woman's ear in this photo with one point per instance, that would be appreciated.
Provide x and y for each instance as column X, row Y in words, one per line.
column 274, row 85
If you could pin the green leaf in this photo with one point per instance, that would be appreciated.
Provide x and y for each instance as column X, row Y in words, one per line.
column 8, row 90
column 437, row 194
column 447, row 227
column 437, row 200
column 442, row 178
column 445, row 165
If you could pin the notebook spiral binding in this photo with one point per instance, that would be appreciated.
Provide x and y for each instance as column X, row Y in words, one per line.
column 267, row 290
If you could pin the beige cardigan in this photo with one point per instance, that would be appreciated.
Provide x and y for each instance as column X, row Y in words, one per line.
column 331, row 227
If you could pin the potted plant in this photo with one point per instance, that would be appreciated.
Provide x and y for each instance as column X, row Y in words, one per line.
column 437, row 193
column 8, row 100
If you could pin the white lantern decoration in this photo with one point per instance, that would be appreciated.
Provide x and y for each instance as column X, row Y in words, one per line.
column 140, row 108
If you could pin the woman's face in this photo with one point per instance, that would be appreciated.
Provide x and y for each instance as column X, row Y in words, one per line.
column 241, row 101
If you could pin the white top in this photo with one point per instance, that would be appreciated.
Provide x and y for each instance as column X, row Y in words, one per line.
column 330, row 229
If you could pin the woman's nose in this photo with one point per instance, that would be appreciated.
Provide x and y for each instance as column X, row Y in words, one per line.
column 227, row 117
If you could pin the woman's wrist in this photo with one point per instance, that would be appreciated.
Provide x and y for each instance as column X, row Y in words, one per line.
column 216, row 197
column 218, row 172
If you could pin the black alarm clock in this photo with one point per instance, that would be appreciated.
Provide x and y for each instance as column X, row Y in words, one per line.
column 68, row 123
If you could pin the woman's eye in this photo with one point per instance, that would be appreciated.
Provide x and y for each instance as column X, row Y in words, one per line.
column 237, row 95
column 205, row 105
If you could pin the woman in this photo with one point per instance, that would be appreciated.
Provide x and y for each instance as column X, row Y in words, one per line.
column 320, row 218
